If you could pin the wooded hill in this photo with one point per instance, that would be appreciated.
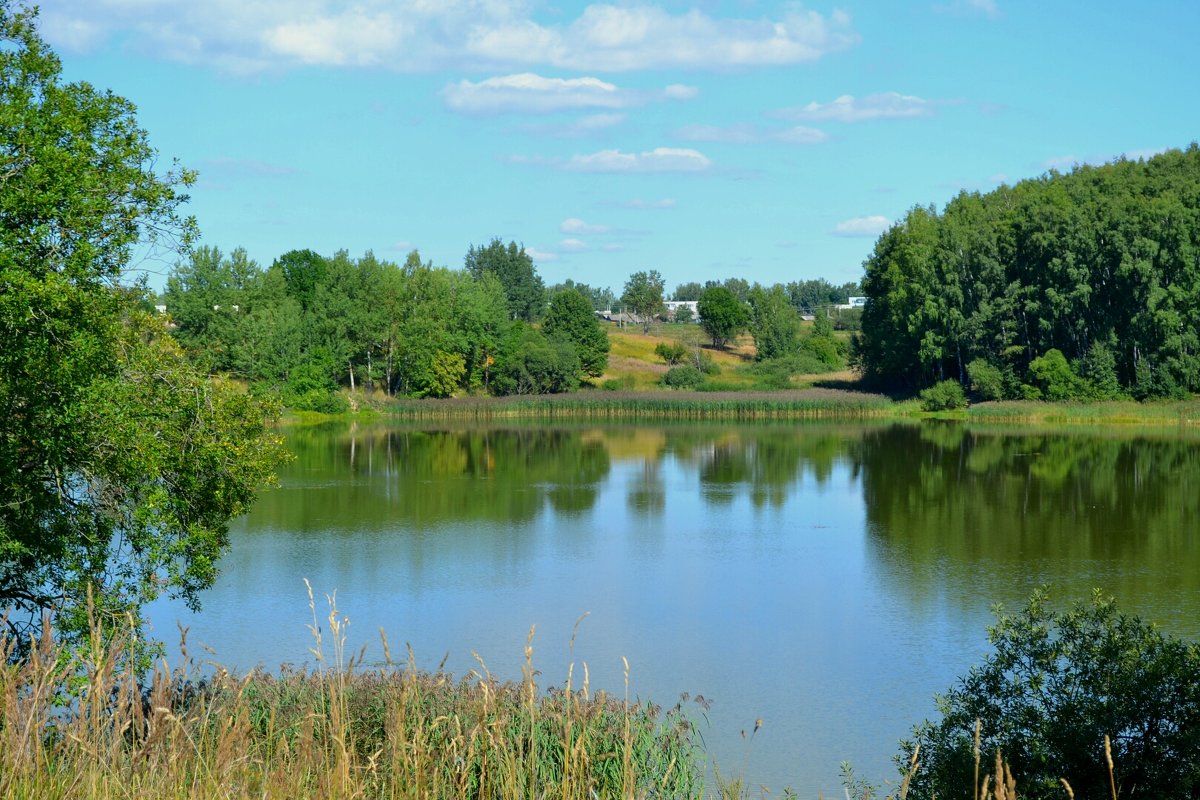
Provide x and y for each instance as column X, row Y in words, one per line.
column 1083, row 285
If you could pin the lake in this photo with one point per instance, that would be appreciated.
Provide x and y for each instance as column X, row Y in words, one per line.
column 825, row 578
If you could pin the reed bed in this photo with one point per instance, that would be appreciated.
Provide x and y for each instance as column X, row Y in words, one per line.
column 804, row 404
column 84, row 724
column 1182, row 412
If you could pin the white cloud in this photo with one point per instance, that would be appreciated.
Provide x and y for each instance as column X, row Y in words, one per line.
column 660, row 159
column 529, row 93
column 573, row 245
column 576, row 225
column 541, row 255
column 847, row 108
column 424, row 35
column 862, row 226
column 751, row 134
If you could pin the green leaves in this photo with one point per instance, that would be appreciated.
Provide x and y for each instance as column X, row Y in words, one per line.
column 1101, row 255
column 1058, row 682
column 121, row 466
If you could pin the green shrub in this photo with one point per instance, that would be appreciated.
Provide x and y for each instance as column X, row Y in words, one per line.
column 673, row 353
column 1054, row 686
column 322, row 400
column 945, row 396
column 683, row 377
column 1053, row 376
column 702, row 361
column 618, row 384
column 1098, row 369
column 987, row 380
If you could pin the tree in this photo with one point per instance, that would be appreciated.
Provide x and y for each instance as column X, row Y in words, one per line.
column 687, row 291
column 571, row 319
column 303, row 271
column 121, row 465
column 207, row 298
column 722, row 315
column 774, row 323
column 643, row 296
column 1056, row 684
column 513, row 266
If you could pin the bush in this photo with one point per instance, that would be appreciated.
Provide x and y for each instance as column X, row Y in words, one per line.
column 987, row 380
column 683, row 377
column 1056, row 684
column 945, row 396
column 1054, row 377
column 322, row 400
column 702, row 361
column 618, row 384
column 673, row 353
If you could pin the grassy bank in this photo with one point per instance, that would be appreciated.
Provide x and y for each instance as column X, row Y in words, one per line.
column 83, row 725
column 1184, row 412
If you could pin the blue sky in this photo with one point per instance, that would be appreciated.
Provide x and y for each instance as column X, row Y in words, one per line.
column 766, row 140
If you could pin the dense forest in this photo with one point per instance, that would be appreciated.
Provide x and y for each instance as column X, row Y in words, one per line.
column 1070, row 286
column 311, row 324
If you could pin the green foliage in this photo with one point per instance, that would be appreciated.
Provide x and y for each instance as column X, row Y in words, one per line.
column 303, row 271
column 1101, row 255
column 687, row 291
column 945, row 395
column 121, row 465
column 813, row 296
column 523, row 288
column 571, row 319
column 673, row 353
column 1098, row 369
column 987, row 380
column 643, row 295
column 722, row 315
column 704, row 362
column 1057, row 683
column 1054, row 378
column 602, row 299
column 530, row 363
column 683, row 377
column 682, row 315
column 774, row 323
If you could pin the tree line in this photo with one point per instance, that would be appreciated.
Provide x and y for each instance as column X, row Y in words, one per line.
column 1083, row 285
column 309, row 323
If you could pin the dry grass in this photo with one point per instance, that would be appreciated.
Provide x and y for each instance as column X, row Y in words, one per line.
column 84, row 725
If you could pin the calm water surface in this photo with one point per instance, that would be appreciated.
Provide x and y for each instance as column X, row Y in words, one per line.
column 828, row 579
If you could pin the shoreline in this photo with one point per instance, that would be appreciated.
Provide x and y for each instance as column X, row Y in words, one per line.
column 800, row 404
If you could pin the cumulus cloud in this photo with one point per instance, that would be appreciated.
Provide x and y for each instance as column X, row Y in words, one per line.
column 751, row 134
column 578, row 226
column 421, row 35
column 660, row 159
column 862, row 226
column 541, row 255
column 847, row 108
column 573, row 245
column 529, row 93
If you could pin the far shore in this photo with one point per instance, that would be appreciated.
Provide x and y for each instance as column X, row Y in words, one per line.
column 814, row 402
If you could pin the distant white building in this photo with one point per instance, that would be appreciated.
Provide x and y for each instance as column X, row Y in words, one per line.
column 675, row 305
column 855, row 302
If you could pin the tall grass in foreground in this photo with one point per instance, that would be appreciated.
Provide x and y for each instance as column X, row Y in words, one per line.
column 83, row 725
